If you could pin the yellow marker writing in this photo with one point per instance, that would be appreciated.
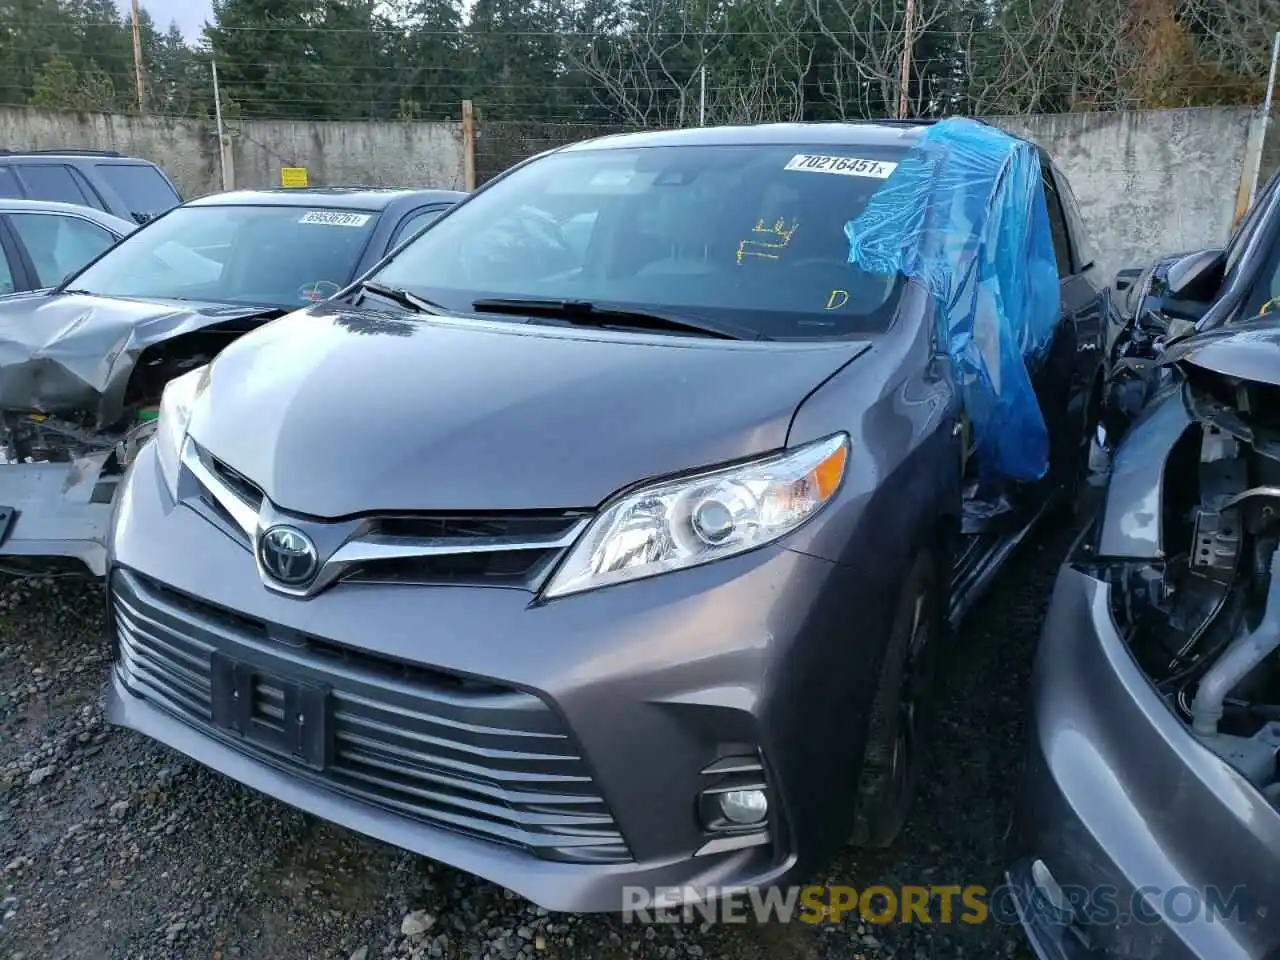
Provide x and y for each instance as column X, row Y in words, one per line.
column 778, row 236
column 837, row 299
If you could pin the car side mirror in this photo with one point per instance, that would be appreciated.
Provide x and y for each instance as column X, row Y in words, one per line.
column 1191, row 284
column 1197, row 276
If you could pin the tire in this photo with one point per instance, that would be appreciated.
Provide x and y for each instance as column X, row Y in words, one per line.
column 902, row 714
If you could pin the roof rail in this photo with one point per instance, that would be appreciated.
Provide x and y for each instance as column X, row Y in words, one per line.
column 916, row 121
column 69, row 152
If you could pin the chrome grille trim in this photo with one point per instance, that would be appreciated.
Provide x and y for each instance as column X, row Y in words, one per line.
column 375, row 547
column 244, row 515
column 364, row 545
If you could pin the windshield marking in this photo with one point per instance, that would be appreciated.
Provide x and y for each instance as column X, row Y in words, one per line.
column 780, row 235
column 332, row 218
column 845, row 166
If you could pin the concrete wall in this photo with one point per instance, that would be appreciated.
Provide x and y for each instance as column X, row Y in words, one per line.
column 373, row 154
column 1148, row 182
column 334, row 153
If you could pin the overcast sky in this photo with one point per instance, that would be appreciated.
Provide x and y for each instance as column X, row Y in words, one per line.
column 190, row 14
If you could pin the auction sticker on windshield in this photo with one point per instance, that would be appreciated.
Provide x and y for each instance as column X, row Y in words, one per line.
column 333, row 218
column 847, row 166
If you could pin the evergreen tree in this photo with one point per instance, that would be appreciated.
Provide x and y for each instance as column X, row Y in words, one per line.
column 269, row 56
column 179, row 82
column 56, row 85
column 430, row 59
column 514, row 49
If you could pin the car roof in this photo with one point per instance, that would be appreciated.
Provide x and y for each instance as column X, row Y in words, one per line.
column 15, row 205
column 843, row 133
column 63, row 156
column 336, row 198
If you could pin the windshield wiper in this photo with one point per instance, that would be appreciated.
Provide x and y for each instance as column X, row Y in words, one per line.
column 402, row 298
column 590, row 314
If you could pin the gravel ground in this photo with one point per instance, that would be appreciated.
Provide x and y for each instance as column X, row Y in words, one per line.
column 115, row 847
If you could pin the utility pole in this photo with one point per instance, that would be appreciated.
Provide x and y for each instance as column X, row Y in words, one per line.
column 468, row 146
column 225, row 153
column 1266, row 118
column 702, row 70
column 702, row 93
column 908, row 43
column 137, row 56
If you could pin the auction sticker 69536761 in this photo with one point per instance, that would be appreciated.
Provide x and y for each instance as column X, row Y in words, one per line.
column 335, row 218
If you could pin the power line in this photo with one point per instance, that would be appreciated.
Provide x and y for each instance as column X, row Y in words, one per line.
column 409, row 30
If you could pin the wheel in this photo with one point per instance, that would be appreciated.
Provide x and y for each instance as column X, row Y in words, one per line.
column 903, row 711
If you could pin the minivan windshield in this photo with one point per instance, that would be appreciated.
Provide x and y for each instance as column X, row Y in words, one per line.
column 273, row 256
column 750, row 235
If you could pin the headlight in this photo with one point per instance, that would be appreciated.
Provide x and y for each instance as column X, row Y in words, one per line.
column 176, row 403
column 681, row 523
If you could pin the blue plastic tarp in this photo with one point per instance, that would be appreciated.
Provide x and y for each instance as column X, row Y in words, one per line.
column 964, row 214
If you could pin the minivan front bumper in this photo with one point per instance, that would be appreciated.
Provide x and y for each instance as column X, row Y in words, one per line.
column 563, row 749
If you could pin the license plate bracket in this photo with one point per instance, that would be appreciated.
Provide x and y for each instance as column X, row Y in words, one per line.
column 286, row 717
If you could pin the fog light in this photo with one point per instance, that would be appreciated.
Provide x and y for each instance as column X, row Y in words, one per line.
column 744, row 806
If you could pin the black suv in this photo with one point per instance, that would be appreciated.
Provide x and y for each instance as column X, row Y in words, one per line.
column 128, row 187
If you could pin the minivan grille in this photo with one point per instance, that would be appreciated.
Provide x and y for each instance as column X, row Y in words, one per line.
column 237, row 482
column 503, row 548
column 467, row 755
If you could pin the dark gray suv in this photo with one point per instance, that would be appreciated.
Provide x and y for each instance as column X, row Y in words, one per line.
column 126, row 187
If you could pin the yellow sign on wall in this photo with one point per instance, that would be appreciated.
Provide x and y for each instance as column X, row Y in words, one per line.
column 293, row 176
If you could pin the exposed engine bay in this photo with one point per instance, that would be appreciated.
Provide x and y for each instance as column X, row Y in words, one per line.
column 1203, row 619
column 36, row 436
column 109, row 430
column 81, row 380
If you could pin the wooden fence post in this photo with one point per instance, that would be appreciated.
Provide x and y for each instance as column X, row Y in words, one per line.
column 468, row 146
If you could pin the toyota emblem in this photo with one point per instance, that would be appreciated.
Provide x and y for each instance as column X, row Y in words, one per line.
column 288, row 556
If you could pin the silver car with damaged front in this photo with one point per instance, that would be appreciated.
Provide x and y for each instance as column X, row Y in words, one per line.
column 83, row 365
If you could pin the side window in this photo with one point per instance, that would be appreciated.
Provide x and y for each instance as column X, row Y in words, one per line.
column 414, row 223
column 1085, row 254
column 92, row 198
column 6, row 273
column 144, row 191
column 1057, row 225
column 51, row 181
column 59, row 245
column 9, row 186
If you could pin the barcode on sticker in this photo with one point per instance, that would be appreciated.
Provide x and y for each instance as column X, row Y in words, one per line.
column 332, row 218
column 847, row 166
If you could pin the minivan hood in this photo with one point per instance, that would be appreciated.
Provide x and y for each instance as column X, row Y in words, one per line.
column 334, row 412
